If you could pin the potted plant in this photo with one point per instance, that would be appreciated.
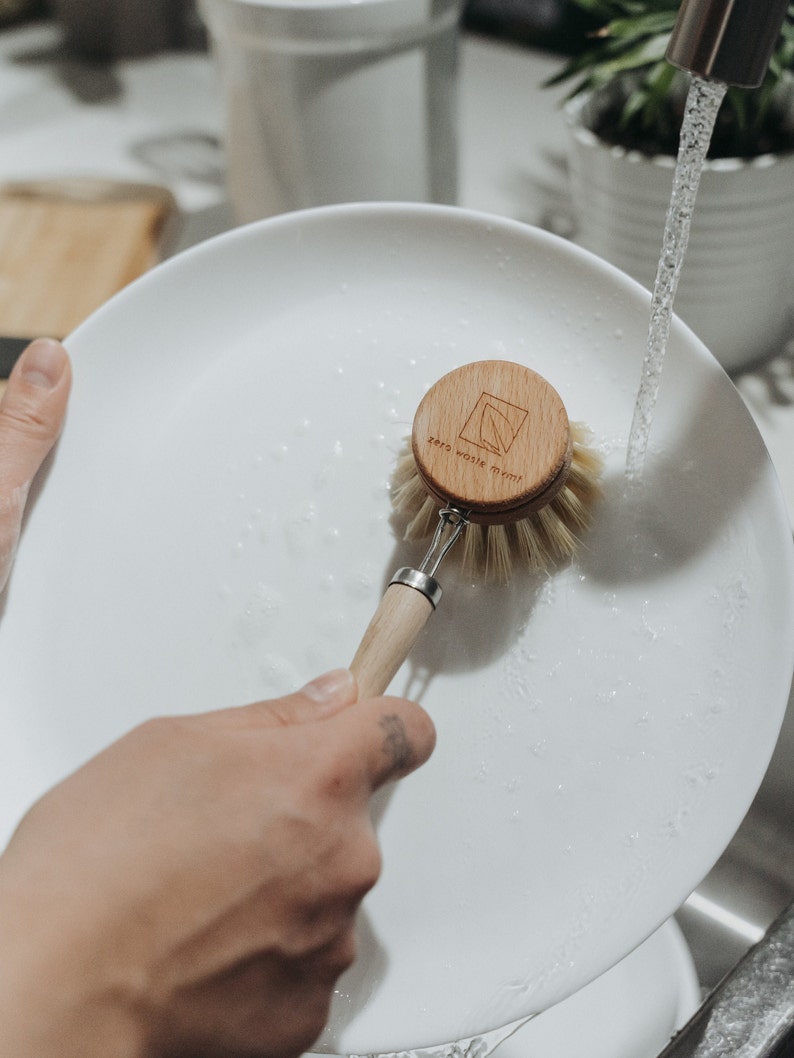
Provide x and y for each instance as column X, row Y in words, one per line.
column 624, row 115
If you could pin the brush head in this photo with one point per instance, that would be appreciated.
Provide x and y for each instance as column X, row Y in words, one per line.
column 493, row 440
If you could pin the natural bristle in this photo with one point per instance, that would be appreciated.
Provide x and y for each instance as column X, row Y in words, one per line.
column 541, row 539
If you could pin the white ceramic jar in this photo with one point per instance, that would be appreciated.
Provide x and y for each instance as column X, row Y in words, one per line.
column 336, row 101
column 736, row 289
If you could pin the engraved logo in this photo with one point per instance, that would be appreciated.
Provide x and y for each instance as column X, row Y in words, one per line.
column 493, row 424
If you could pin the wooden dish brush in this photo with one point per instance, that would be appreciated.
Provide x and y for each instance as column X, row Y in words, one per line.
column 493, row 459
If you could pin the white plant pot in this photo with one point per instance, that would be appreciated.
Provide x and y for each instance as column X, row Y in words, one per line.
column 736, row 290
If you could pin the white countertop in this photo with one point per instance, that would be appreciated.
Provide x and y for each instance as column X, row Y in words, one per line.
column 158, row 119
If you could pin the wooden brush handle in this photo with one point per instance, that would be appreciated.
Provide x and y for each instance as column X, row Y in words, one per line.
column 387, row 642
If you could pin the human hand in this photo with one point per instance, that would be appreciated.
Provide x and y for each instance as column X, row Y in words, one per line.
column 31, row 415
column 191, row 891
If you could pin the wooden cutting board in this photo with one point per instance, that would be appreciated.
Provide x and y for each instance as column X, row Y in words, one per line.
column 66, row 246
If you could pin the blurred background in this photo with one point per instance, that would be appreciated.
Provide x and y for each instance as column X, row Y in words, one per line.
column 104, row 29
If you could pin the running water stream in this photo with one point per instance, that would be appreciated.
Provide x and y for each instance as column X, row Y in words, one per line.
column 702, row 105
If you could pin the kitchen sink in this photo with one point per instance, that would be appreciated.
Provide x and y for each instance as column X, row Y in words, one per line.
column 753, row 881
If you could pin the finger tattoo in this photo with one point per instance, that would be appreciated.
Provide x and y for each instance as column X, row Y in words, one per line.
column 395, row 742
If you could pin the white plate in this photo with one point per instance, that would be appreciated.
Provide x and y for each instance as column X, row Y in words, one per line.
column 216, row 529
column 631, row 1011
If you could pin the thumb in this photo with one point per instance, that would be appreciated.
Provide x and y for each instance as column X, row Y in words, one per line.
column 392, row 736
column 31, row 416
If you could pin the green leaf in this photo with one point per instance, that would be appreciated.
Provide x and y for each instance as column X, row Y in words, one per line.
column 646, row 25
column 643, row 54
column 629, row 50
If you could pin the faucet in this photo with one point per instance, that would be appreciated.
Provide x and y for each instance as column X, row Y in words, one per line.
column 727, row 40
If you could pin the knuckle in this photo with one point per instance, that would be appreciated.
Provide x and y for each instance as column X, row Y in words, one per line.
column 367, row 866
column 26, row 417
column 344, row 952
column 331, row 960
column 274, row 713
column 336, row 956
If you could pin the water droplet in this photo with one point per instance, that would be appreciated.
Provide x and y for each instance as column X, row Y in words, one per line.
column 276, row 676
column 358, row 585
column 606, row 697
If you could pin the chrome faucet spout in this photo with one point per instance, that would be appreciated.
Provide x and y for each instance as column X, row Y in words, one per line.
column 727, row 40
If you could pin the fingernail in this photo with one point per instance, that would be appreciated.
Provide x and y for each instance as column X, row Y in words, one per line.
column 43, row 363
column 331, row 687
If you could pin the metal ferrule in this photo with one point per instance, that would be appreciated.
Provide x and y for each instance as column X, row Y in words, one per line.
column 730, row 41
column 423, row 582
